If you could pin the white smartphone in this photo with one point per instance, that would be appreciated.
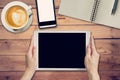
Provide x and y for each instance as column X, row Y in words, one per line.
column 46, row 13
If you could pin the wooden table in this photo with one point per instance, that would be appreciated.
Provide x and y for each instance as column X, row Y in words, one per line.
column 13, row 48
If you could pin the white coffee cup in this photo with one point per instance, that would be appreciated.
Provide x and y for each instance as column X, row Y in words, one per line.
column 16, row 16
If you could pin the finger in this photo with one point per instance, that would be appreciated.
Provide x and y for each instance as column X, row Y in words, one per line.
column 30, row 48
column 34, row 52
column 32, row 42
column 93, row 45
column 89, row 49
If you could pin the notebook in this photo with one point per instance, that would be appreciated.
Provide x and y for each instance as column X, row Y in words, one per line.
column 95, row 11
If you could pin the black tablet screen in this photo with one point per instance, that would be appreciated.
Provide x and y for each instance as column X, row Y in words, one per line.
column 61, row 50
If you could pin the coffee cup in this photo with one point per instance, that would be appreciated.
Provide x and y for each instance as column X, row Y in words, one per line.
column 16, row 16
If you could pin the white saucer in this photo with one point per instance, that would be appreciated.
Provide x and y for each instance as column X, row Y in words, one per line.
column 27, row 8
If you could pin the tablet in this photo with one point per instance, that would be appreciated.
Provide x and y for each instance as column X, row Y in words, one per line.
column 61, row 50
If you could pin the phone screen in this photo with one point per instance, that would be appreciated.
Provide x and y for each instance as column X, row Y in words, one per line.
column 46, row 13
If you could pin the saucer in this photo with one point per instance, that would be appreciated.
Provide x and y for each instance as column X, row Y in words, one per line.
column 29, row 12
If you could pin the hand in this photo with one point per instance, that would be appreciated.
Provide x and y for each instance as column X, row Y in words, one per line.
column 92, row 61
column 31, row 57
column 30, row 62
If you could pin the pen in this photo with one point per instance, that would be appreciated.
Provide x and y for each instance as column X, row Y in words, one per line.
column 114, row 7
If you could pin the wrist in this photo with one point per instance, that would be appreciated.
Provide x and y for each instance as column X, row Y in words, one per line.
column 28, row 70
column 28, row 74
column 93, row 75
column 93, row 72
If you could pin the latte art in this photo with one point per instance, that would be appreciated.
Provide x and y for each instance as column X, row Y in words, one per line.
column 19, row 17
column 16, row 17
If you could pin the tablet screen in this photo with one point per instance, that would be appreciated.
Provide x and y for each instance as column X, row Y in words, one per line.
column 61, row 50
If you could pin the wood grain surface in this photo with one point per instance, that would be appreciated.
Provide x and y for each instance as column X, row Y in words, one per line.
column 13, row 48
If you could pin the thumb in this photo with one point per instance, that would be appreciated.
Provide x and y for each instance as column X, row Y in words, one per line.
column 88, row 50
column 34, row 52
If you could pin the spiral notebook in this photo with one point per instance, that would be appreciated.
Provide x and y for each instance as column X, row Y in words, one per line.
column 95, row 11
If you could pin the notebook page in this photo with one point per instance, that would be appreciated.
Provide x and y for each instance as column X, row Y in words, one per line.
column 80, row 9
column 104, row 14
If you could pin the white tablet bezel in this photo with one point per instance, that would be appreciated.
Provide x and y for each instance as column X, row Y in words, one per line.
column 59, row 69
